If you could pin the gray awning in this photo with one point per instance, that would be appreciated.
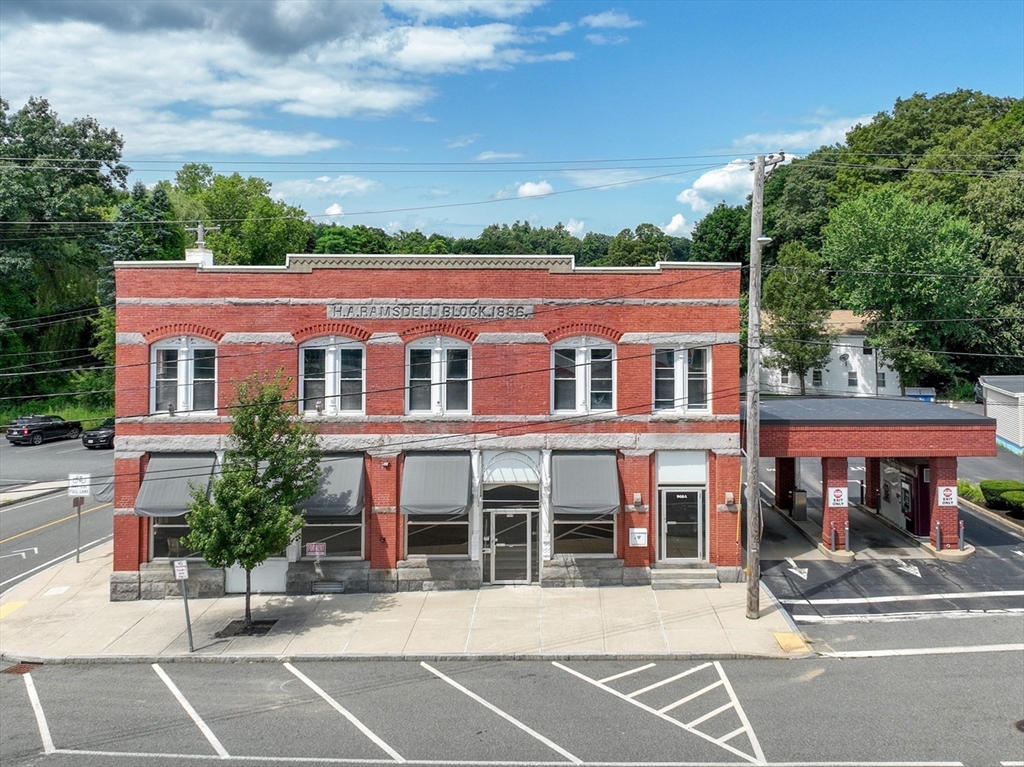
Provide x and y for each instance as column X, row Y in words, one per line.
column 341, row 487
column 166, row 488
column 436, row 483
column 584, row 483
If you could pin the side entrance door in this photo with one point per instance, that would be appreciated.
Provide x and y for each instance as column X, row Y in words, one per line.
column 511, row 560
column 682, row 523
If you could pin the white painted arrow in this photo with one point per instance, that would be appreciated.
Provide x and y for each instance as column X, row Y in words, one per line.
column 801, row 571
column 1018, row 553
column 21, row 553
column 901, row 565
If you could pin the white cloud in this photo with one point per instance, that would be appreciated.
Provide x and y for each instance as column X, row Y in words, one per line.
column 575, row 228
column 821, row 133
column 435, row 9
column 530, row 189
column 730, row 183
column 325, row 187
column 559, row 29
column 334, row 210
column 483, row 156
column 462, row 141
column 607, row 39
column 610, row 20
column 677, row 227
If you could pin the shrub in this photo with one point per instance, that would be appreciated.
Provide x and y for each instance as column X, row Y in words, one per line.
column 969, row 492
column 1015, row 500
column 993, row 490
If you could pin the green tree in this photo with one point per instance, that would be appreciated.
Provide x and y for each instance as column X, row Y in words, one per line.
column 723, row 235
column 271, row 465
column 645, row 247
column 912, row 270
column 795, row 298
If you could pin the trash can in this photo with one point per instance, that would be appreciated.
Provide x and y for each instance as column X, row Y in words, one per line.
column 799, row 510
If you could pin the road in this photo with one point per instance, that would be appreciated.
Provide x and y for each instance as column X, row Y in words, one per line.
column 821, row 711
column 43, row 531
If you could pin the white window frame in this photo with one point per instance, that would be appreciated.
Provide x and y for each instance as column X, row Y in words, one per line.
column 186, row 348
column 681, row 379
column 333, row 399
column 852, row 379
column 880, row 380
column 584, row 346
column 439, row 347
column 816, row 378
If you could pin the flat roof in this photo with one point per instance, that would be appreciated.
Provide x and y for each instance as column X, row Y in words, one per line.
column 1008, row 384
column 863, row 411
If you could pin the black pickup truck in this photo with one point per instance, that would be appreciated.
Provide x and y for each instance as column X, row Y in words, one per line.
column 35, row 429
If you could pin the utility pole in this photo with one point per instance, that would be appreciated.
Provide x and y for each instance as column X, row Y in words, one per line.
column 757, row 239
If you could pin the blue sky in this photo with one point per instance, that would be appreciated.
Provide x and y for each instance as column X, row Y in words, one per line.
column 449, row 115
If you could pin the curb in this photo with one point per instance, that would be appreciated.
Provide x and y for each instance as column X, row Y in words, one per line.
column 1010, row 527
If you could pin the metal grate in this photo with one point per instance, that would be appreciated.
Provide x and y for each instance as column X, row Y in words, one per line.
column 328, row 587
column 21, row 668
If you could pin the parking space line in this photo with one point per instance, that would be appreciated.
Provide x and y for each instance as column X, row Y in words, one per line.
column 709, row 715
column 905, row 616
column 740, row 713
column 345, row 713
column 732, row 734
column 664, row 682
column 613, row 677
column 203, row 727
column 37, row 709
column 902, row 598
column 925, row 651
column 507, row 717
column 688, row 698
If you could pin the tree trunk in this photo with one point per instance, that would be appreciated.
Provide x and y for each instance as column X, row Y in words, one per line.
column 803, row 386
column 248, row 593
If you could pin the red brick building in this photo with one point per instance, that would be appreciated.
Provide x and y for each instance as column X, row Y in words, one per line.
column 484, row 419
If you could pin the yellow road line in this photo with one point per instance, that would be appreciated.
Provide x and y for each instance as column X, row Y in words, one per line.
column 55, row 522
column 9, row 608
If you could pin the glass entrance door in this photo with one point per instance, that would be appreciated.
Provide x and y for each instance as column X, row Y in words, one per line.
column 510, row 543
column 682, row 523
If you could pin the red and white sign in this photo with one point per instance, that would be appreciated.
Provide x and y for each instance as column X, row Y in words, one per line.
column 316, row 549
column 837, row 497
column 181, row 570
column 947, row 496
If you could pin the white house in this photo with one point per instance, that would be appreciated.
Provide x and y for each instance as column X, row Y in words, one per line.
column 1004, row 401
column 854, row 369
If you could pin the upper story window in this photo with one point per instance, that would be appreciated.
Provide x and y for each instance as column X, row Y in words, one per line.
column 851, row 378
column 868, row 351
column 183, row 376
column 331, row 376
column 681, row 379
column 583, row 376
column 438, row 374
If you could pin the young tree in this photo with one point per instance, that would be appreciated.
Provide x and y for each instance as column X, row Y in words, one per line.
column 271, row 465
column 796, row 302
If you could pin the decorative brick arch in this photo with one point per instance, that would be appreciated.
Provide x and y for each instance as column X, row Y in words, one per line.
column 583, row 329
column 439, row 329
column 320, row 329
column 183, row 329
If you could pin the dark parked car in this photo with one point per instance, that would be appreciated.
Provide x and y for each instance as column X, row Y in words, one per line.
column 979, row 392
column 36, row 429
column 101, row 436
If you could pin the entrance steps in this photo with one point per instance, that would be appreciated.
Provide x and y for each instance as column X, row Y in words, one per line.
column 698, row 575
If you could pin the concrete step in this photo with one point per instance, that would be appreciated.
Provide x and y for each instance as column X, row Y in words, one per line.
column 698, row 576
column 685, row 583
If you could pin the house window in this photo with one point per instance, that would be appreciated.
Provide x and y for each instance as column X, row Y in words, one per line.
column 584, row 534
column 343, row 535
column 879, row 380
column 168, row 533
column 785, row 376
column 183, row 376
column 868, row 351
column 438, row 374
column 681, row 379
column 438, row 535
column 331, row 376
column 815, row 378
column 583, row 376
column 851, row 378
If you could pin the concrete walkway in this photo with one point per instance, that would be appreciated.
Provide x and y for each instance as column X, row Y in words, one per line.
column 64, row 615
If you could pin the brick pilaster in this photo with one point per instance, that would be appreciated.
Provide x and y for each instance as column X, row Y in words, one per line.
column 637, row 474
column 942, row 473
column 833, row 475
column 724, row 477
column 384, row 523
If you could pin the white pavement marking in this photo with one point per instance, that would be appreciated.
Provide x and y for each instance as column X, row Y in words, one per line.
column 799, row 571
column 37, row 709
column 710, row 714
column 663, row 682
column 203, row 728
column 55, row 560
column 915, row 615
column 664, row 717
column 22, row 504
column 903, row 598
column 507, row 717
column 692, row 696
column 346, row 713
column 636, row 670
column 912, row 569
column 742, row 715
column 926, row 651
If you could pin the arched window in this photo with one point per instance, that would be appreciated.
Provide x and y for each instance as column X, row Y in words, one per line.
column 183, row 376
column 583, row 375
column 331, row 376
column 438, row 376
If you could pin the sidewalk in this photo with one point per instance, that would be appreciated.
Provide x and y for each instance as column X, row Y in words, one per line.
column 63, row 615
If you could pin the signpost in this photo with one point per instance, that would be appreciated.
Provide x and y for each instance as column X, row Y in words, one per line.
column 181, row 575
column 78, row 490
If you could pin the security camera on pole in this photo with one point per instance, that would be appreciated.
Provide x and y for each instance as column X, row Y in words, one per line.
column 753, row 385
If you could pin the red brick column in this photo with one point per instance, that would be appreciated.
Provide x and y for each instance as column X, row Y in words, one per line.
column 726, row 549
column 833, row 475
column 636, row 475
column 942, row 473
column 872, row 481
column 785, row 482
column 131, row 533
column 384, row 528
